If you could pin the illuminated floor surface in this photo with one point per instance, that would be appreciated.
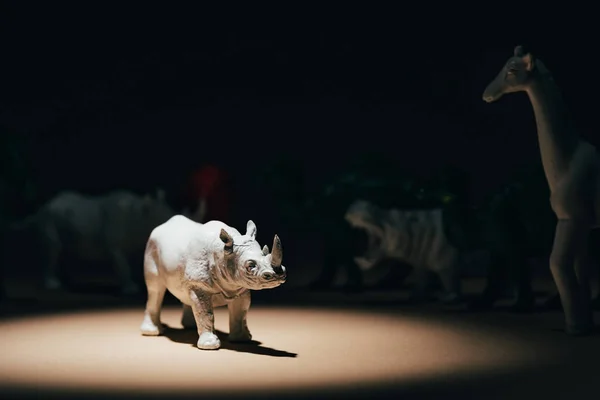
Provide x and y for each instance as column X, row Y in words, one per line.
column 304, row 352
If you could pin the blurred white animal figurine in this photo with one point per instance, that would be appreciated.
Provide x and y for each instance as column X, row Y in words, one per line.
column 111, row 227
column 205, row 266
column 413, row 236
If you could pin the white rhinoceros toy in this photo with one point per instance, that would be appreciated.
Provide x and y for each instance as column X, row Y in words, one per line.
column 205, row 266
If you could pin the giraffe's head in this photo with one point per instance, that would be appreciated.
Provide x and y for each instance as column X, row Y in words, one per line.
column 515, row 76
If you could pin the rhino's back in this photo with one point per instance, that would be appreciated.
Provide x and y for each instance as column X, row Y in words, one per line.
column 214, row 227
column 89, row 225
column 173, row 239
column 74, row 215
column 92, row 214
column 125, row 224
column 180, row 238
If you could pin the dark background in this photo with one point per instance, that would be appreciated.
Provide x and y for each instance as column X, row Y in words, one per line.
column 135, row 96
column 98, row 96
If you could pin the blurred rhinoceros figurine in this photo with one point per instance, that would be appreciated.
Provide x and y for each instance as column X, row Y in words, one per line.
column 110, row 227
column 205, row 266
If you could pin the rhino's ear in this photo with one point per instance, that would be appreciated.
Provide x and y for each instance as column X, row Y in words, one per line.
column 227, row 240
column 251, row 229
column 265, row 250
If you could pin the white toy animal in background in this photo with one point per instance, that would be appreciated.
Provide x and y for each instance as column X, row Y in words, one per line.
column 205, row 266
column 110, row 227
column 412, row 236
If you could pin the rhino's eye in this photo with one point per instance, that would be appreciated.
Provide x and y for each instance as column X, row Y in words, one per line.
column 250, row 265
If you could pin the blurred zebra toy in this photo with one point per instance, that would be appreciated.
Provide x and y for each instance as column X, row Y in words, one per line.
column 415, row 237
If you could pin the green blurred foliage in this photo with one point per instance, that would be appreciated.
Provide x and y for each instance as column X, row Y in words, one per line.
column 518, row 212
column 373, row 177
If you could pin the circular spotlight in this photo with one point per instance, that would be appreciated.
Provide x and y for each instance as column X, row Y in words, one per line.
column 296, row 349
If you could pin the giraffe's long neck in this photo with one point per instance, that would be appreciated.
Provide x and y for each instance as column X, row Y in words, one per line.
column 557, row 136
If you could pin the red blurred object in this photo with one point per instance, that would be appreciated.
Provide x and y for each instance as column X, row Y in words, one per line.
column 211, row 184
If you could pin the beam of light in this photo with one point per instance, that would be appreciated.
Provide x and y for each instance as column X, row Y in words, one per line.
column 103, row 351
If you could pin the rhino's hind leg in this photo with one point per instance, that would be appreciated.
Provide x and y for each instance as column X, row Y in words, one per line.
column 238, row 325
column 187, row 319
column 151, row 326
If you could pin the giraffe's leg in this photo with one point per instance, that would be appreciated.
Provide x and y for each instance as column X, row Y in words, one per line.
column 568, row 240
column 583, row 270
column 596, row 301
column 594, row 255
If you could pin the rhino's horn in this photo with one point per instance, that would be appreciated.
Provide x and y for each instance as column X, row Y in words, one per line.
column 227, row 240
column 265, row 250
column 277, row 254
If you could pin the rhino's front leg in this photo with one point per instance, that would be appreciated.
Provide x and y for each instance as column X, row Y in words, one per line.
column 128, row 286
column 205, row 320
column 238, row 325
